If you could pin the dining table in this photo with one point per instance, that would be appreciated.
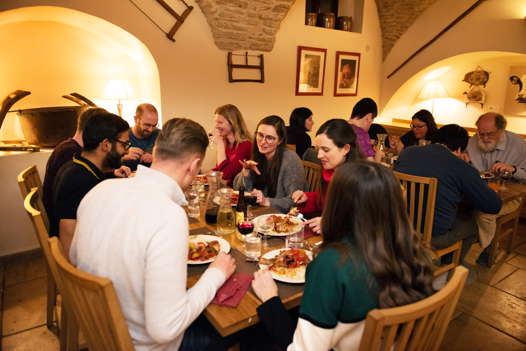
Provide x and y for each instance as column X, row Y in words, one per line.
column 228, row 320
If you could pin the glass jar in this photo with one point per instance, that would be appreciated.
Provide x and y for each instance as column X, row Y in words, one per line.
column 212, row 202
column 226, row 218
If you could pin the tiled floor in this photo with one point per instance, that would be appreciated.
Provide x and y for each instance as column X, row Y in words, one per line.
column 491, row 314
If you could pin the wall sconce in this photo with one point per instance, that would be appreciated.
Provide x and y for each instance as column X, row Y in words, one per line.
column 433, row 90
column 118, row 89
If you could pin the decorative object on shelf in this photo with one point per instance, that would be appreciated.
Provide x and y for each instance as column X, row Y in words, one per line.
column 344, row 23
column 311, row 18
column 327, row 20
column 310, row 70
column 431, row 91
column 245, row 65
column 521, row 83
column 346, row 73
column 477, row 81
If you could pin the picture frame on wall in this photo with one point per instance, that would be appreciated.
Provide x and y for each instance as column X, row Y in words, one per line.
column 346, row 71
column 310, row 70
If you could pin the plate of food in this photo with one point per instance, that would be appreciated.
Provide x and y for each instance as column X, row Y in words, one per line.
column 203, row 248
column 486, row 175
column 278, row 224
column 287, row 265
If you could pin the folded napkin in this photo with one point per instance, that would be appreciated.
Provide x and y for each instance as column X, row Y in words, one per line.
column 233, row 290
column 307, row 232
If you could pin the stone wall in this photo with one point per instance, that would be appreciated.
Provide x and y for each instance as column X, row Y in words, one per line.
column 396, row 16
column 244, row 24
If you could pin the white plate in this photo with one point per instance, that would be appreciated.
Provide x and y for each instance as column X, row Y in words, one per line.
column 223, row 245
column 298, row 278
column 259, row 220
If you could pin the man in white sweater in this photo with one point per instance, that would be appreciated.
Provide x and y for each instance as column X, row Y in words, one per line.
column 134, row 232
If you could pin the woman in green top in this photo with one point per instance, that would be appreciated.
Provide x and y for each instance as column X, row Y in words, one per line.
column 370, row 259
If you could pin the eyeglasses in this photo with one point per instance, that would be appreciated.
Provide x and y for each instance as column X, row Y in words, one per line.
column 418, row 127
column 148, row 125
column 487, row 135
column 126, row 144
column 268, row 138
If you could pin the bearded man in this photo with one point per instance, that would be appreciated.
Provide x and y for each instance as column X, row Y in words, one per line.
column 105, row 139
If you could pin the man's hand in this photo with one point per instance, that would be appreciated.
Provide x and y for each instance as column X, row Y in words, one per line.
column 299, row 197
column 122, row 172
column 225, row 263
column 146, row 158
column 264, row 285
column 500, row 167
column 134, row 153
column 315, row 224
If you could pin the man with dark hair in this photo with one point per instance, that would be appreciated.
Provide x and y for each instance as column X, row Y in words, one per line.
column 105, row 141
column 142, row 136
column 458, row 183
column 139, row 240
column 361, row 119
column 63, row 153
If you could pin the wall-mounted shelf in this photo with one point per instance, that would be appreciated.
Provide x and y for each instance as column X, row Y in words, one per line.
column 335, row 14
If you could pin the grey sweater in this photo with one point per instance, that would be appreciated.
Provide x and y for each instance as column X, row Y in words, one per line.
column 291, row 178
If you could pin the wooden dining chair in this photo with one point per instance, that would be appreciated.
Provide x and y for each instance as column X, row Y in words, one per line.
column 420, row 196
column 313, row 175
column 505, row 231
column 291, row 147
column 68, row 334
column 418, row 326
column 27, row 180
column 94, row 303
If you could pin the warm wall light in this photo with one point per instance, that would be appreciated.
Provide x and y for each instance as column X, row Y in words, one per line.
column 433, row 90
column 118, row 89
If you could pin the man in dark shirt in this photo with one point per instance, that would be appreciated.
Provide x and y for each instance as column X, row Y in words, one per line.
column 457, row 182
column 63, row 153
column 105, row 139
column 142, row 137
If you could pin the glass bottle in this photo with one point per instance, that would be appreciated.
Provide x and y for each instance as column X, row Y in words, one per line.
column 214, row 181
column 226, row 218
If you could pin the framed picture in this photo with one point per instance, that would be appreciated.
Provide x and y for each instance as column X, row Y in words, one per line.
column 310, row 71
column 346, row 73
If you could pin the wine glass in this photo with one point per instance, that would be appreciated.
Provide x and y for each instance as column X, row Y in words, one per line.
column 504, row 176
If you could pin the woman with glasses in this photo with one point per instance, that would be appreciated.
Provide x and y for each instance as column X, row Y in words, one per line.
column 232, row 139
column 274, row 172
column 423, row 127
column 300, row 123
column 336, row 144
column 366, row 262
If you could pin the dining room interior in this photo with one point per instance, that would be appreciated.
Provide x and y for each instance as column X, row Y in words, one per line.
column 455, row 58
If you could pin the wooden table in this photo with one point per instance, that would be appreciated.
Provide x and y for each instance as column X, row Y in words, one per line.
column 229, row 320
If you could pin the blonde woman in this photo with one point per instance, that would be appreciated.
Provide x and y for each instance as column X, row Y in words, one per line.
column 232, row 139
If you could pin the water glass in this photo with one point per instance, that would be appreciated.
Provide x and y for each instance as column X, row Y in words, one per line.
column 295, row 241
column 252, row 247
column 194, row 210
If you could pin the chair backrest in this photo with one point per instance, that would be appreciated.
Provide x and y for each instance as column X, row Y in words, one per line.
column 313, row 175
column 291, row 147
column 95, row 305
column 27, row 180
column 420, row 196
column 419, row 326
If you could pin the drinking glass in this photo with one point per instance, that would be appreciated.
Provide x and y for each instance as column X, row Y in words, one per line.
column 194, row 209
column 503, row 179
column 264, row 228
column 251, row 201
column 295, row 240
column 252, row 247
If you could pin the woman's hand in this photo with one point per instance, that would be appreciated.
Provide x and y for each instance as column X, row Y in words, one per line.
column 299, row 197
column 260, row 198
column 248, row 166
column 315, row 224
column 264, row 286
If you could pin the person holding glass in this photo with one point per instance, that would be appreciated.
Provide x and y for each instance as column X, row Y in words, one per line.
column 336, row 144
column 274, row 172
column 366, row 262
column 301, row 122
column 423, row 131
column 232, row 138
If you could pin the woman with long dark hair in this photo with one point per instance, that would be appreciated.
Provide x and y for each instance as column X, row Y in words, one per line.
column 274, row 172
column 336, row 144
column 300, row 123
column 423, row 127
column 370, row 259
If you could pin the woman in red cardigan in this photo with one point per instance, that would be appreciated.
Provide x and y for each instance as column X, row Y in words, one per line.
column 232, row 139
column 336, row 144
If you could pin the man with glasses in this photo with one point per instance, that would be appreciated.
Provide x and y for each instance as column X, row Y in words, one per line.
column 142, row 136
column 503, row 153
column 105, row 141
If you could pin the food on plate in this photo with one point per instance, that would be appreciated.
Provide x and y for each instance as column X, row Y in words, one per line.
column 294, row 211
column 486, row 175
column 281, row 224
column 203, row 250
column 290, row 262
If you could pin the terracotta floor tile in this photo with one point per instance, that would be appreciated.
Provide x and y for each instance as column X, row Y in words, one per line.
column 466, row 333
column 518, row 261
column 496, row 308
column 24, row 306
column 19, row 271
column 38, row 339
column 494, row 274
column 515, row 284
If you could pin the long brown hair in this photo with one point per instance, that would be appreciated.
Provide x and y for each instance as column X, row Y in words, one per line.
column 365, row 219
column 234, row 117
column 269, row 169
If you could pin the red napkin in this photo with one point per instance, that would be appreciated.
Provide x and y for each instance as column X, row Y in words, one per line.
column 233, row 290
column 307, row 232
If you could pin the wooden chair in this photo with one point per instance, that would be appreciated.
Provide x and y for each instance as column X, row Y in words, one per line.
column 420, row 194
column 418, row 326
column 27, row 180
column 313, row 175
column 68, row 333
column 291, row 147
column 95, row 305
column 505, row 230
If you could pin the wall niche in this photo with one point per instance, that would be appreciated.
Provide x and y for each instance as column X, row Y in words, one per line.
column 346, row 15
